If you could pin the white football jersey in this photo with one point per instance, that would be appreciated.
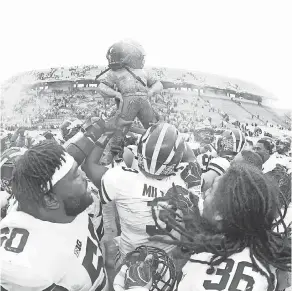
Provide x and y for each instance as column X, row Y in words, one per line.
column 39, row 255
column 133, row 193
column 235, row 273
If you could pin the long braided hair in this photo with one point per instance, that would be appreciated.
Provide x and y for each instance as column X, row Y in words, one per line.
column 34, row 170
column 248, row 202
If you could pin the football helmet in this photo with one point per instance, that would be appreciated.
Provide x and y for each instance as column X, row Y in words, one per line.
column 8, row 159
column 160, row 150
column 231, row 143
column 126, row 53
column 270, row 144
column 204, row 135
column 164, row 271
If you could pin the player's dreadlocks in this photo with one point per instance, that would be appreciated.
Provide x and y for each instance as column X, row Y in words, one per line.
column 34, row 170
column 248, row 203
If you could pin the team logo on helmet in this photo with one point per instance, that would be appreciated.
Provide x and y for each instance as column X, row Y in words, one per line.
column 160, row 150
column 164, row 271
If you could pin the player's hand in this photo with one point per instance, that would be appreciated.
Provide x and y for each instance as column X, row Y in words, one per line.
column 140, row 274
column 191, row 174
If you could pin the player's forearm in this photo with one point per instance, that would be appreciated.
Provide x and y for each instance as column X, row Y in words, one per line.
column 94, row 157
column 106, row 91
column 82, row 144
column 92, row 169
column 156, row 88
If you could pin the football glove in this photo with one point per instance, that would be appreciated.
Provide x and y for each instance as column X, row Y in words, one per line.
column 191, row 175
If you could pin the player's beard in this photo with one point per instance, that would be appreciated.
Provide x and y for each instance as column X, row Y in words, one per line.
column 76, row 205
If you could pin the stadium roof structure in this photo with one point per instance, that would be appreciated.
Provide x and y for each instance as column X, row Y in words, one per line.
column 167, row 75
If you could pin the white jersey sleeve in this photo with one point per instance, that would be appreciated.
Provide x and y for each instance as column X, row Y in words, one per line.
column 111, row 182
column 235, row 273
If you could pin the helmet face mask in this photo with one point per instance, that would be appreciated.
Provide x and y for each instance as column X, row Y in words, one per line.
column 164, row 271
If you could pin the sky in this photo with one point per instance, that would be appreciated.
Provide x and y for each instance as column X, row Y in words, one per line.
column 246, row 39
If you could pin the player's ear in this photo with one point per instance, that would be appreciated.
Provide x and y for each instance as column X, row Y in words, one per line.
column 51, row 201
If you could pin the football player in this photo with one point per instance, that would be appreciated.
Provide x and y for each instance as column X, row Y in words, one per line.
column 160, row 151
column 240, row 250
column 205, row 138
column 284, row 146
column 50, row 242
column 266, row 148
